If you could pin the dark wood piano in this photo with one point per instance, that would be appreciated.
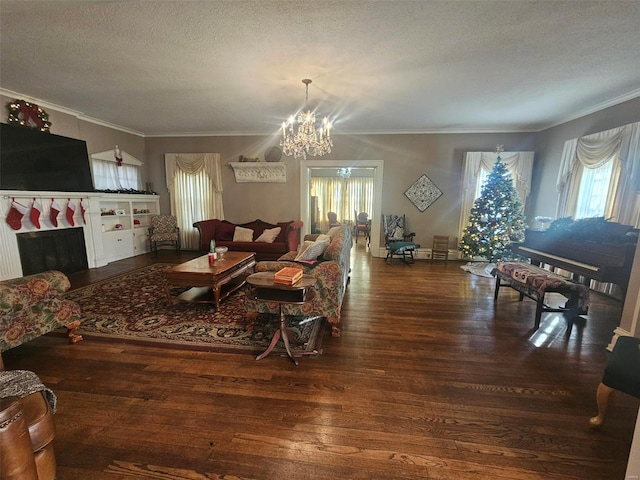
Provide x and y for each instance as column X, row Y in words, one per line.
column 593, row 260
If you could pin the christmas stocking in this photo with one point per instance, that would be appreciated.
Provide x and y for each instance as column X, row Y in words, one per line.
column 54, row 212
column 36, row 211
column 83, row 210
column 71, row 210
column 16, row 212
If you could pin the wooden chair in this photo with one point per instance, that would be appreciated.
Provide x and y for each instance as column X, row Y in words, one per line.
column 621, row 373
column 363, row 224
column 440, row 248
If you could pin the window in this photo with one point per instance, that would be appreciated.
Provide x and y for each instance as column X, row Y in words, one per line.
column 108, row 176
column 194, row 181
column 193, row 198
column 594, row 190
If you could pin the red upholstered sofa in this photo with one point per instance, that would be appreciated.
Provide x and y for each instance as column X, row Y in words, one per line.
column 222, row 232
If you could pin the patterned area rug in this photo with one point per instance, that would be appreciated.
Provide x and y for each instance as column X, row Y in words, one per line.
column 133, row 308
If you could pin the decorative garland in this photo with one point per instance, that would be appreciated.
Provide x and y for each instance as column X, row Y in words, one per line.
column 29, row 115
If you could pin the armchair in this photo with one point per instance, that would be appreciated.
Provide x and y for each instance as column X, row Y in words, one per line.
column 396, row 241
column 164, row 229
column 27, row 427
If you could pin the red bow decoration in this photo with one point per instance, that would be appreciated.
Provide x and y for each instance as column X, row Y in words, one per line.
column 118, row 154
column 30, row 111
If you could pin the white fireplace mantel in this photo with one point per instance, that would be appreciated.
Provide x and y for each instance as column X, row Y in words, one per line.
column 10, row 265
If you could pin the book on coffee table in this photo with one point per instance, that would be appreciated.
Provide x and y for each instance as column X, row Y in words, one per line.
column 287, row 275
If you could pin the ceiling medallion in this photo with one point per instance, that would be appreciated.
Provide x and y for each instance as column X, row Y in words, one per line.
column 305, row 140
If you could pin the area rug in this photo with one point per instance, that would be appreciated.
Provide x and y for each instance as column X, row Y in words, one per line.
column 133, row 308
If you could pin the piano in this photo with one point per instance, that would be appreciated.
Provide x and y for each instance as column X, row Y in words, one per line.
column 600, row 261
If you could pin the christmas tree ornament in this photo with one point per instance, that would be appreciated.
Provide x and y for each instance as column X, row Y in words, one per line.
column 71, row 211
column 16, row 212
column 54, row 211
column 36, row 211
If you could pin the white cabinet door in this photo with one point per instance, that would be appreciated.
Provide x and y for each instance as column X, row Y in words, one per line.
column 118, row 245
column 140, row 241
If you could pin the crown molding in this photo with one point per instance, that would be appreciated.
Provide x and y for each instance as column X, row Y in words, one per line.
column 596, row 108
column 507, row 129
column 68, row 111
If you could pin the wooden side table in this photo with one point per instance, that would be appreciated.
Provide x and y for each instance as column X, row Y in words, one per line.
column 262, row 287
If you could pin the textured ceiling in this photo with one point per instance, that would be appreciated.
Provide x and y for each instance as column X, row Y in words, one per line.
column 235, row 67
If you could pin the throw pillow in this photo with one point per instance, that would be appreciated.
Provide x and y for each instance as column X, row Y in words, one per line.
column 323, row 238
column 269, row 235
column 398, row 234
column 242, row 234
column 303, row 246
column 311, row 252
column 332, row 231
column 224, row 231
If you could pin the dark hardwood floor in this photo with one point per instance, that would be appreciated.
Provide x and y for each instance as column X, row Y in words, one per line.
column 430, row 380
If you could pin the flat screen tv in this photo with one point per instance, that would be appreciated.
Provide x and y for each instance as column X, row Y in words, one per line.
column 35, row 160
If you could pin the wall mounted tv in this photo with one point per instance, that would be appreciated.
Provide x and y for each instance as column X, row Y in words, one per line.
column 35, row 160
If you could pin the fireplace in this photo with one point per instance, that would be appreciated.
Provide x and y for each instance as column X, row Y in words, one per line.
column 62, row 250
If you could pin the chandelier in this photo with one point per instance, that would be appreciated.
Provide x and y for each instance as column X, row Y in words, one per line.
column 344, row 172
column 306, row 141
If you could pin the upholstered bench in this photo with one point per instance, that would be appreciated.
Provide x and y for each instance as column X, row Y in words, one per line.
column 535, row 282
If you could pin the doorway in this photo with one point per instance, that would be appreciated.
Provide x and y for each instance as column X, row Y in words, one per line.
column 305, row 194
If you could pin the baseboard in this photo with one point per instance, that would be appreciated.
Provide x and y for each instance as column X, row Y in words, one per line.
column 423, row 254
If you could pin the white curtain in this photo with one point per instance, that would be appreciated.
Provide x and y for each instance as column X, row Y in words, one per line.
column 619, row 145
column 342, row 196
column 519, row 165
column 108, row 176
column 194, row 181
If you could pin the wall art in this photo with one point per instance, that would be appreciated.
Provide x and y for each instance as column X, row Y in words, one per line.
column 423, row 193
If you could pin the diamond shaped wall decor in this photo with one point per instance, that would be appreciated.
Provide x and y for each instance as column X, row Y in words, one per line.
column 423, row 193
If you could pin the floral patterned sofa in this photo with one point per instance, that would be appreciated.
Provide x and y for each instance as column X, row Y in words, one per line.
column 34, row 305
column 332, row 274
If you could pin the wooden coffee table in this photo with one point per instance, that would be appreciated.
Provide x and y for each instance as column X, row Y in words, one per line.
column 211, row 283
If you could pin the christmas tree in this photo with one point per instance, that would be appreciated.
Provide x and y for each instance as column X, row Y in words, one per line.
column 496, row 219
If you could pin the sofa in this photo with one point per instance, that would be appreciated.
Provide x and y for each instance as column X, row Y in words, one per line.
column 33, row 305
column 331, row 271
column 223, row 233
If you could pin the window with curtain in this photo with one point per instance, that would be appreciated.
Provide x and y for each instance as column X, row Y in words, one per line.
column 600, row 176
column 593, row 191
column 193, row 196
column 342, row 196
column 108, row 176
column 195, row 187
